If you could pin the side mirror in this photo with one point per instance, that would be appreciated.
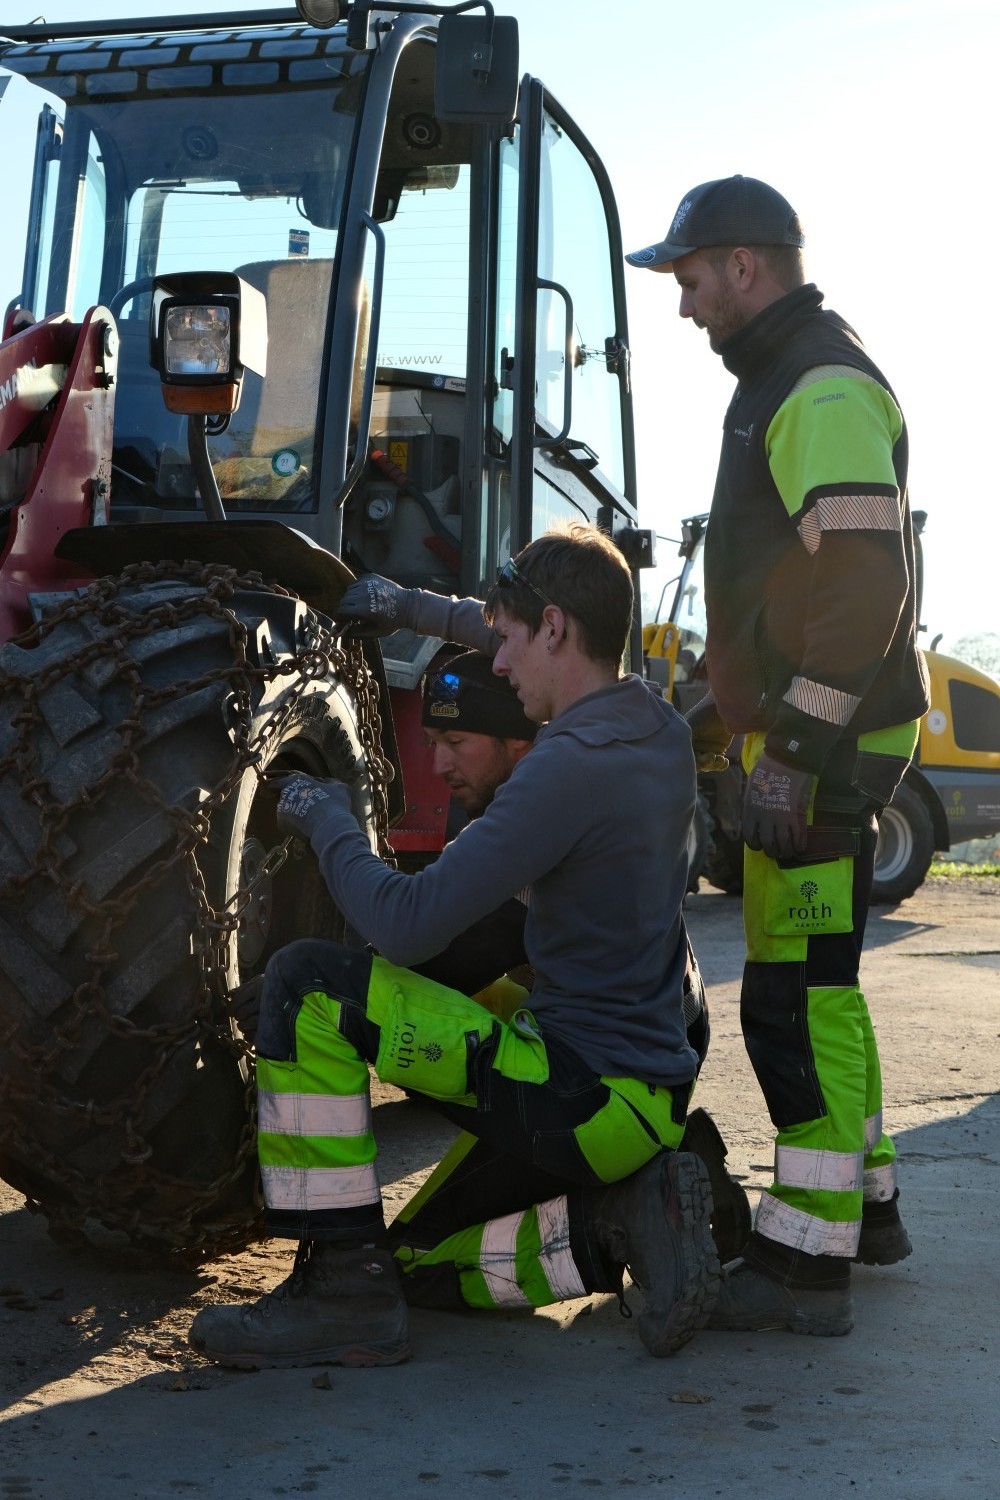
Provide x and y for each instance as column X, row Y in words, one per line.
column 476, row 69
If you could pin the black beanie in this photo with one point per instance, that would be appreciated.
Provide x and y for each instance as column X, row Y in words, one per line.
column 464, row 694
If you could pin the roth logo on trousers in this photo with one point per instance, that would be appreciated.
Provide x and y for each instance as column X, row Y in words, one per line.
column 813, row 913
column 407, row 1049
column 810, row 912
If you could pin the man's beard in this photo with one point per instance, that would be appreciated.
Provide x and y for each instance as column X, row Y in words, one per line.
column 728, row 317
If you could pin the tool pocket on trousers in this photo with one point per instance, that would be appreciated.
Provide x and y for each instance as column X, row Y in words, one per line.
column 427, row 1047
column 809, row 899
column 521, row 1054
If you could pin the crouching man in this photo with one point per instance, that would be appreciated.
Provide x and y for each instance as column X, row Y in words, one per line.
column 567, row 1170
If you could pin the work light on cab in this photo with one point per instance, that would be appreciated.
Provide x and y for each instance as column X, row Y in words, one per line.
column 319, row 13
column 205, row 331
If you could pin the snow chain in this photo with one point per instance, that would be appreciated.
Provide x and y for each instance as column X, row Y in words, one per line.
column 320, row 656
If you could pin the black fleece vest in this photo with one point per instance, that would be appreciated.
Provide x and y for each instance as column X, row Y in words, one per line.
column 757, row 571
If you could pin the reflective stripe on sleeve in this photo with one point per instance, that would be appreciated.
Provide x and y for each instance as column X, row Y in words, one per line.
column 498, row 1261
column 557, row 1261
column 821, row 702
column 848, row 513
column 313, row 1114
column 831, row 1171
column 801, row 1231
column 308, row 1189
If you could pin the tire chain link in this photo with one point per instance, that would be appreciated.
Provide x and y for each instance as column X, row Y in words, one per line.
column 322, row 655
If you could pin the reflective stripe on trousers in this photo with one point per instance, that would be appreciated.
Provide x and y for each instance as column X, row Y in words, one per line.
column 810, row 1040
column 550, row 1123
column 520, row 1260
column 315, row 1146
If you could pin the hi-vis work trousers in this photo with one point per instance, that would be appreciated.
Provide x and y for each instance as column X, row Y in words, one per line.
column 500, row 1222
column 806, row 1024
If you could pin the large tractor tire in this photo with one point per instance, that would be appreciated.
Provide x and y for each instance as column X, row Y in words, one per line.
column 723, row 794
column 142, row 877
column 699, row 843
column 724, row 864
column 905, row 847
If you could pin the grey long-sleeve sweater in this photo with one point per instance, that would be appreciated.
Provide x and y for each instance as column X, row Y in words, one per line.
column 595, row 821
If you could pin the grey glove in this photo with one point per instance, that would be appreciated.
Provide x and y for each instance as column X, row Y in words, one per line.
column 776, row 808
column 303, row 797
column 710, row 737
column 379, row 604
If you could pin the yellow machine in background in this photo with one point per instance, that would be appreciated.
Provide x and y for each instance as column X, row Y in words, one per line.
column 951, row 792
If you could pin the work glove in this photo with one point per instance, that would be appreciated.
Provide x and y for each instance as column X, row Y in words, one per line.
column 243, row 1004
column 303, row 800
column 710, row 737
column 776, row 808
column 374, row 605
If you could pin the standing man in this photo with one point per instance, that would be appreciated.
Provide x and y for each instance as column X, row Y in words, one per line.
column 812, row 655
column 567, row 1171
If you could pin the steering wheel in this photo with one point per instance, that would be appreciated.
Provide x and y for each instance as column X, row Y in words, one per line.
column 128, row 292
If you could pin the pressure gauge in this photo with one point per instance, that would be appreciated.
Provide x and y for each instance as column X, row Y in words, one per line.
column 379, row 509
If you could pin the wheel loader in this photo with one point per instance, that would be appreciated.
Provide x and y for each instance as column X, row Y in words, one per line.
column 305, row 294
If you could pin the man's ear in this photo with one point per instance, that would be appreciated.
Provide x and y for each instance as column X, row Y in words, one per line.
column 743, row 268
column 554, row 624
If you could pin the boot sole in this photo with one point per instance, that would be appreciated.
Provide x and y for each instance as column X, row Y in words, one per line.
column 732, row 1220
column 688, row 1205
column 805, row 1323
column 351, row 1355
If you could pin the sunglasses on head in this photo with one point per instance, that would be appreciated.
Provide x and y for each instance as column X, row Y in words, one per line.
column 448, row 687
column 510, row 574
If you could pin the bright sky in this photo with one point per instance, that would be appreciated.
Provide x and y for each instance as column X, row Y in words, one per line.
column 876, row 118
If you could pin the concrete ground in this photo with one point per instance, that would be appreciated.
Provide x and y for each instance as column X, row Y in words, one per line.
column 103, row 1398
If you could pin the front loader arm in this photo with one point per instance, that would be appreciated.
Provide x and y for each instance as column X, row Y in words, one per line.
column 56, row 395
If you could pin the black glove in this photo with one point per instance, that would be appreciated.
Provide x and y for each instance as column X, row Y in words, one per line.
column 776, row 808
column 244, row 1006
column 303, row 797
column 379, row 604
column 710, row 737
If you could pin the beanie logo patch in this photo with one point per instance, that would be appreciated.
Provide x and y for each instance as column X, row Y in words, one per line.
column 444, row 711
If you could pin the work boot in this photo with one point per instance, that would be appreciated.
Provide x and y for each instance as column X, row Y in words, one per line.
column 731, row 1218
column 883, row 1239
column 656, row 1223
column 750, row 1302
column 338, row 1307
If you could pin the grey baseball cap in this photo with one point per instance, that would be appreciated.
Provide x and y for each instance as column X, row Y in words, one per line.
column 730, row 211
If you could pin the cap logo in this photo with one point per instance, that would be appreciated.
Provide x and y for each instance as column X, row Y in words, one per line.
column 644, row 255
column 681, row 215
column 444, row 710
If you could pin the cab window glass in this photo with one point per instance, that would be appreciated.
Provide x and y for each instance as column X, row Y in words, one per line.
column 574, row 251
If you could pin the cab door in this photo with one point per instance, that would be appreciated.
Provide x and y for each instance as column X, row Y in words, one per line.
column 562, row 408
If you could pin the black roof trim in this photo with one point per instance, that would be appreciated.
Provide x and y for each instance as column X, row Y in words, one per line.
column 46, row 31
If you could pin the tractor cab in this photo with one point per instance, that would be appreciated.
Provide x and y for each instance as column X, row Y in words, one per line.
column 442, row 276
